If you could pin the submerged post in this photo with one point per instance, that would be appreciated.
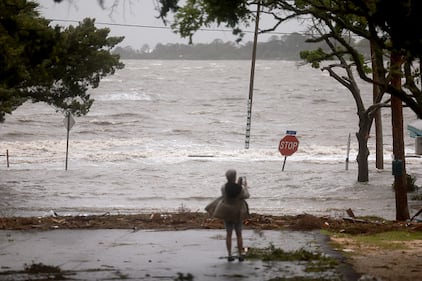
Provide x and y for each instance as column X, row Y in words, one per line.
column 251, row 81
column 68, row 123
column 7, row 157
column 348, row 152
column 67, row 138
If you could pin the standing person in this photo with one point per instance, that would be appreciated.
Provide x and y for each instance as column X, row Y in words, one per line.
column 232, row 208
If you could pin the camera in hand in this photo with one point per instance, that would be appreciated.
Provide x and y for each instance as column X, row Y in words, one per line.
column 242, row 181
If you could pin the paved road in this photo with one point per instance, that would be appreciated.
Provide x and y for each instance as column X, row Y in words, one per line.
column 154, row 255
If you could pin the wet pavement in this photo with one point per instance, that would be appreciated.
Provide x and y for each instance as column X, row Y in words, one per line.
column 157, row 255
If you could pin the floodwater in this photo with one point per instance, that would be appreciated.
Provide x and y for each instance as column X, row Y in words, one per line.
column 161, row 135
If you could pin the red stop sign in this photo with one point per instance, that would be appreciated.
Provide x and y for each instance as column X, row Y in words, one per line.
column 288, row 145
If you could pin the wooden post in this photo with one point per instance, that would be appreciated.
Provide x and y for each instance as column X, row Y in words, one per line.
column 347, row 153
column 400, row 184
column 7, row 157
column 67, row 140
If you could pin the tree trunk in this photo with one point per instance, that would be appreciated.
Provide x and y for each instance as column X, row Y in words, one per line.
column 363, row 151
column 379, row 145
column 400, row 184
column 379, row 142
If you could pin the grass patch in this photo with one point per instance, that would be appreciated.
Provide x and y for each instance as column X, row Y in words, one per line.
column 389, row 240
column 272, row 253
column 315, row 262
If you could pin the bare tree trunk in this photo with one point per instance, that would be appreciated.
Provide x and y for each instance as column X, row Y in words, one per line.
column 363, row 151
column 379, row 140
column 379, row 145
column 402, row 209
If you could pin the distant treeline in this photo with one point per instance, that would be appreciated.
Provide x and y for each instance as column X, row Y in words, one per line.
column 286, row 47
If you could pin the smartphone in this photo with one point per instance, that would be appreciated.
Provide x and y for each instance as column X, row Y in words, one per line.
column 242, row 180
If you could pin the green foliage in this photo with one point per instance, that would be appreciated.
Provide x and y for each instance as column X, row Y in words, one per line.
column 315, row 57
column 25, row 40
column 81, row 59
column 167, row 6
column 315, row 262
column 401, row 21
column 271, row 253
column 228, row 12
column 188, row 20
column 45, row 64
column 195, row 14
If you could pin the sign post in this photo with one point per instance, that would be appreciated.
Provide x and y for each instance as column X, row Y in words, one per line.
column 288, row 145
column 68, row 123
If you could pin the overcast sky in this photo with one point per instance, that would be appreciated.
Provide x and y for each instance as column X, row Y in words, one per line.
column 136, row 20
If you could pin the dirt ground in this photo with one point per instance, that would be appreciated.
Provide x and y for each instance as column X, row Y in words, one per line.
column 388, row 265
column 402, row 264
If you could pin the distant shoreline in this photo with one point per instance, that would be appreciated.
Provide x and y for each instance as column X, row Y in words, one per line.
column 277, row 48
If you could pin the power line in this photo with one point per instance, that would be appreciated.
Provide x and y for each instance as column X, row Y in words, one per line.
column 117, row 24
column 168, row 28
column 200, row 29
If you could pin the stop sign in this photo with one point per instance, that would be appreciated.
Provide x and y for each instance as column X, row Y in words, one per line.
column 288, row 145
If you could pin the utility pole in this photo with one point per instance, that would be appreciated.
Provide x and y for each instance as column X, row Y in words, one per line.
column 252, row 78
column 399, row 164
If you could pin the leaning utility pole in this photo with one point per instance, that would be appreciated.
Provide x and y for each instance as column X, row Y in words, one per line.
column 252, row 78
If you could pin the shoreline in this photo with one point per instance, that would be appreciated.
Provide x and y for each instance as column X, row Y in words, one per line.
column 201, row 220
